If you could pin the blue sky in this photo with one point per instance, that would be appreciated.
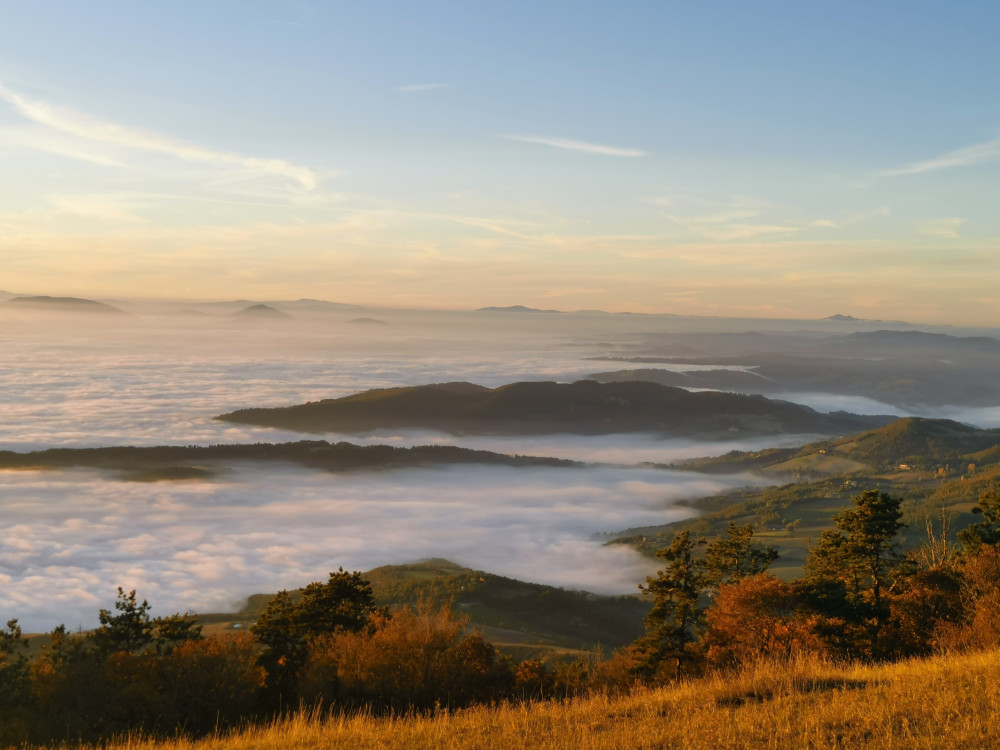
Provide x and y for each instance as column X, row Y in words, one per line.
column 724, row 158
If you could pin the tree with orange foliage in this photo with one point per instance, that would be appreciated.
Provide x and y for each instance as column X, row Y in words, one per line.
column 415, row 659
column 757, row 616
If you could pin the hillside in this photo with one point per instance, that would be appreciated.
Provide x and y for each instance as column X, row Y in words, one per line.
column 908, row 443
column 948, row 701
column 522, row 618
column 584, row 407
column 935, row 466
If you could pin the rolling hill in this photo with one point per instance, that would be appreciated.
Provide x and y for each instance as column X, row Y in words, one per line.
column 524, row 618
column 585, row 407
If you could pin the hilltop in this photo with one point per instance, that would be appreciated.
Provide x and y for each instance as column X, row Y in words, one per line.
column 584, row 407
column 299, row 305
column 262, row 312
column 516, row 309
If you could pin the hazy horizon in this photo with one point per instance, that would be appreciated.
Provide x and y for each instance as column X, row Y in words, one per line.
column 726, row 159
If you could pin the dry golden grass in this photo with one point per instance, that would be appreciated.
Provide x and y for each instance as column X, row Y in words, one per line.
column 943, row 702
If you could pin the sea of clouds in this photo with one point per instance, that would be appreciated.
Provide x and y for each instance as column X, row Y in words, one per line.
column 68, row 538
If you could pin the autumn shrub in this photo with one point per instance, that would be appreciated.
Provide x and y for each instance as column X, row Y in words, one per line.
column 753, row 618
column 923, row 607
column 211, row 683
column 979, row 626
column 413, row 659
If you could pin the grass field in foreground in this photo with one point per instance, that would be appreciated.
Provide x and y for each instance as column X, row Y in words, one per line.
column 942, row 702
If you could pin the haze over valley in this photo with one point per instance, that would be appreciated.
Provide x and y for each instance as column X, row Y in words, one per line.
column 209, row 532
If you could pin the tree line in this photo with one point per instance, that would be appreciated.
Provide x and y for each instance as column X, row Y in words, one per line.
column 861, row 597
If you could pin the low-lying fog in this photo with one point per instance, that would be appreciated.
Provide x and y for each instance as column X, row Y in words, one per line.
column 68, row 538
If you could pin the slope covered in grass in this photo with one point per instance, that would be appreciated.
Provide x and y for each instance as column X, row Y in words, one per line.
column 949, row 701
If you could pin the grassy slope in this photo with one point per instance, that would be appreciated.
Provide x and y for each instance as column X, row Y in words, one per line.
column 943, row 702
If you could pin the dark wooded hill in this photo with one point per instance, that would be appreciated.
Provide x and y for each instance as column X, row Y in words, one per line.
column 585, row 407
column 168, row 462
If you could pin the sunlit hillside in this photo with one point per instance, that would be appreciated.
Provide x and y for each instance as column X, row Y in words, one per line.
column 943, row 702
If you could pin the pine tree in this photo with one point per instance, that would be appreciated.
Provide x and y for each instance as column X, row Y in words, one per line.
column 674, row 621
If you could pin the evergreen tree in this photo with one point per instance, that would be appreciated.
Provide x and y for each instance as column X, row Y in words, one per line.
column 131, row 630
column 848, row 572
column 344, row 604
column 986, row 532
column 14, row 676
column 735, row 556
column 673, row 622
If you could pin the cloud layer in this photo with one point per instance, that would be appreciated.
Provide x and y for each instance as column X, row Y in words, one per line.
column 69, row 538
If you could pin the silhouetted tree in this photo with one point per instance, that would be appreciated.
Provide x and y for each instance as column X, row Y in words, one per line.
column 131, row 630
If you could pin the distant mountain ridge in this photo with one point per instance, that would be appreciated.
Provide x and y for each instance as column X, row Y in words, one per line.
column 516, row 309
column 304, row 305
column 66, row 304
column 909, row 370
column 585, row 407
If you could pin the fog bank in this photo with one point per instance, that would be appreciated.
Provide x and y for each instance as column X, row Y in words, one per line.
column 70, row 537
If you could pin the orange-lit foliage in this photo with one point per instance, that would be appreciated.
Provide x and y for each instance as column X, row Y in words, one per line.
column 415, row 658
column 924, row 607
column 753, row 618
column 980, row 626
column 214, row 681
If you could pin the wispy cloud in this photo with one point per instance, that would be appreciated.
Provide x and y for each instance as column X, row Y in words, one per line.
column 71, row 122
column 566, row 143
column 422, row 87
column 979, row 153
column 720, row 221
column 29, row 136
column 946, row 227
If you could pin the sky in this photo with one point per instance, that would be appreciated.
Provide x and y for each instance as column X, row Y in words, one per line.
column 766, row 159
